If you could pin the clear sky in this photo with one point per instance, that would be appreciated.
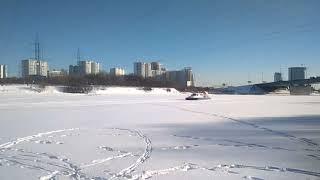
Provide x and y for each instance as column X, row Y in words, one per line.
column 222, row 40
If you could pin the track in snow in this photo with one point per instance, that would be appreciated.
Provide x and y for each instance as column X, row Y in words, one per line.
column 224, row 168
column 59, row 165
column 315, row 146
column 312, row 147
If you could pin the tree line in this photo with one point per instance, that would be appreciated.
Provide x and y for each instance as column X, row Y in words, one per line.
column 89, row 80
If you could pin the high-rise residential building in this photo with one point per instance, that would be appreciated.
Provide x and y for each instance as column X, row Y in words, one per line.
column 32, row 67
column 148, row 70
column 28, row 67
column 117, row 72
column 95, row 67
column 156, row 73
column 182, row 78
column 3, row 71
column 84, row 68
column 139, row 69
column 277, row 77
column 74, row 70
column 296, row 73
column 188, row 76
column 171, row 76
column 42, row 68
column 155, row 66
column 157, row 70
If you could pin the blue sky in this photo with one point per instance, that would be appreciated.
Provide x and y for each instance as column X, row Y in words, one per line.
column 224, row 41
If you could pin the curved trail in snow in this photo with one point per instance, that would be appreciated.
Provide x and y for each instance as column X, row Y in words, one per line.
column 67, row 167
column 146, row 155
column 8, row 145
column 63, row 166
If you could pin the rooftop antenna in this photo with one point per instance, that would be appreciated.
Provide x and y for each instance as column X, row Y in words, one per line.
column 37, row 48
column 41, row 51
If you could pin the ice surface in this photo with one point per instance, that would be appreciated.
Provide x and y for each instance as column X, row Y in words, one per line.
column 127, row 133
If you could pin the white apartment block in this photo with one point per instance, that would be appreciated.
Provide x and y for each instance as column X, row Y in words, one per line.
column 42, row 68
column 183, row 78
column 147, row 70
column 3, row 71
column 117, row 72
column 32, row 67
column 139, row 69
column 84, row 68
column 95, row 67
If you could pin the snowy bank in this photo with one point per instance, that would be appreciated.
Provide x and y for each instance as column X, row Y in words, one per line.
column 94, row 90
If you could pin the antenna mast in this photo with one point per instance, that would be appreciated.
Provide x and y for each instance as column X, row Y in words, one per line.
column 78, row 56
column 37, row 48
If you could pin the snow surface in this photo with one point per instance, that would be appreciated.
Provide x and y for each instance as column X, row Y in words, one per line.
column 127, row 133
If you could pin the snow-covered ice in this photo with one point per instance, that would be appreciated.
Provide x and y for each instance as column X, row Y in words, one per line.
column 127, row 133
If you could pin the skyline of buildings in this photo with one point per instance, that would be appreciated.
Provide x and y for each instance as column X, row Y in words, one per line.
column 182, row 78
column 284, row 76
column 36, row 67
column 153, row 69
